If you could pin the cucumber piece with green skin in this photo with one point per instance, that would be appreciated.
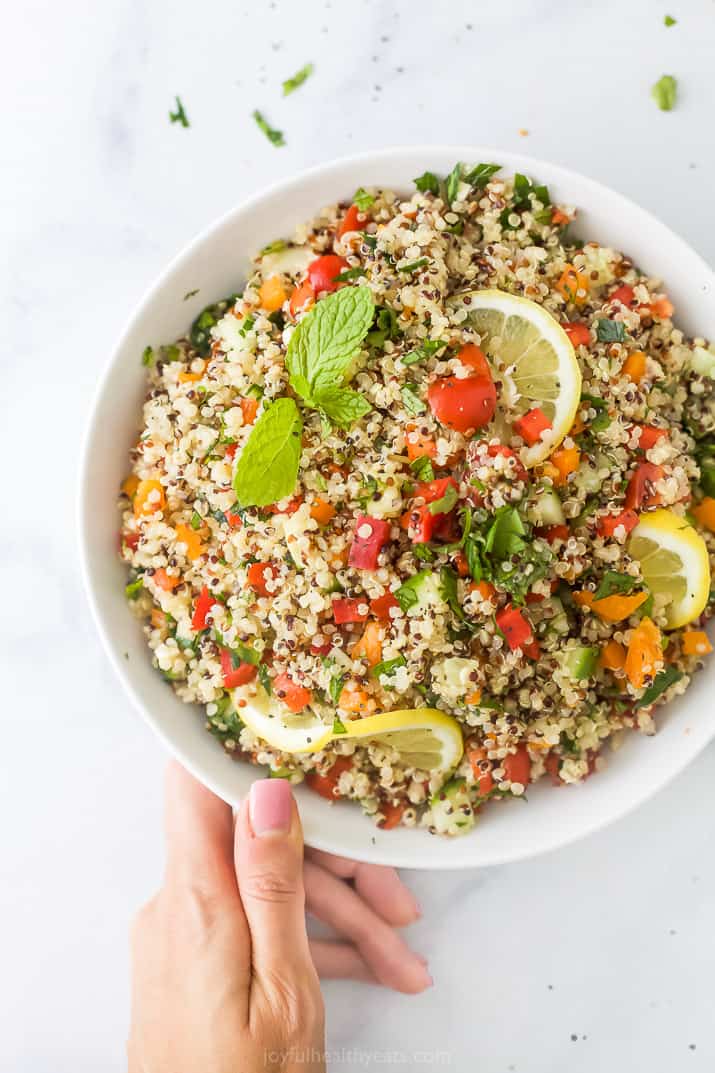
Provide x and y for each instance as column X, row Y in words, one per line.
column 579, row 661
column 451, row 808
column 545, row 508
column 702, row 362
column 559, row 621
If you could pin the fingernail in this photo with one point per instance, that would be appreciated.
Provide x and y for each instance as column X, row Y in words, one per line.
column 270, row 806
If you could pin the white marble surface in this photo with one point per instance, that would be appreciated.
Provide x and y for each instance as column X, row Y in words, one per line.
column 597, row 957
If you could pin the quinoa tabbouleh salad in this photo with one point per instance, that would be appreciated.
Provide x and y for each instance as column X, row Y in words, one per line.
column 426, row 512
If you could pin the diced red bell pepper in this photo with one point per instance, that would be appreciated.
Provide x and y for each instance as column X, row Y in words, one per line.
column 553, row 767
column 578, row 332
column 346, row 609
column 517, row 766
column 327, row 785
column 484, row 779
column 519, row 471
column 464, row 404
column 650, row 436
column 366, row 546
column 204, row 604
column 294, row 696
column 353, row 220
column 321, row 650
column 231, row 450
column 259, row 574
column 641, row 492
column 553, row 533
column 131, row 540
column 323, row 270
column 382, row 605
column 431, row 491
column 234, row 520
column 623, row 294
column 290, row 508
column 392, row 815
column 235, row 672
column 532, row 650
column 608, row 524
column 532, row 426
column 515, row 627
column 421, row 524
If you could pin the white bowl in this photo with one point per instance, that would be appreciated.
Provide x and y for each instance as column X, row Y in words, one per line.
column 217, row 262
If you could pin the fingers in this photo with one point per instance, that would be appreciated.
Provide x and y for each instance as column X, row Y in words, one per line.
column 339, row 961
column 386, row 954
column 269, row 865
column 380, row 887
column 199, row 835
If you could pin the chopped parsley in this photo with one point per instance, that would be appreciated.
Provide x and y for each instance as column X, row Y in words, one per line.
column 661, row 682
column 179, row 116
column 425, row 350
column 275, row 137
column 388, row 666
column 349, row 273
column 412, row 266
column 292, row 84
column 427, row 183
column 524, row 193
column 148, row 356
column 613, row 582
column 668, row 20
column 422, row 468
column 411, row 400
column 610, row 331
column 362, row 199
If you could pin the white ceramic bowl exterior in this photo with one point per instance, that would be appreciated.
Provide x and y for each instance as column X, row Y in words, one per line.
column 217, row 263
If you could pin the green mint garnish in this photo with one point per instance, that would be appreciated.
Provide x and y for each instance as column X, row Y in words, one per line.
column 179, row 116
column 427, row 183
column 275, row 137
column 610, row 331
column 411, row 400
column 291, row 84
column 362, row 199
column 664, row 93
column 267, row 468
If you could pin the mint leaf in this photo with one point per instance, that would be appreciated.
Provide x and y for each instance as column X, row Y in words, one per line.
column 664, row 93
column 411, row 400
column 613, row 582
column 267, row 468
column 342, row 405
column 389, row 666
column 453, row 180
column 422, row 468
column 427, row 183
column 662, row 681
column 480, row 174
column 327, row 339
column 610, row 331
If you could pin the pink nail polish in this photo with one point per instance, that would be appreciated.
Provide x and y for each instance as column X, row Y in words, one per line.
column 270, row 806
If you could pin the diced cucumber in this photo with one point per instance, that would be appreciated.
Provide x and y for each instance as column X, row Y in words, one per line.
column 451, row 809
column 702, row 362
column 587, row 478
column 544, row 507
column 420, row 592
column 559, row 621
column 579, row 661
column 451, row 678
column 707, row 476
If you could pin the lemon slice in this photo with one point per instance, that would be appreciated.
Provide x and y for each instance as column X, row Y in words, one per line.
column 425, row 738
column 674, row 561
column 533, row 360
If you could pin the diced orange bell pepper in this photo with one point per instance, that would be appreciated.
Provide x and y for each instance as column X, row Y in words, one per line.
column 704, row 512
column 696, row 643
column 369, row 646
column 584, row 598
column 157, row 618
column 356, row 700
column 130, row 485
column 616, row 608
column 165, row 581
column 485, row 589
column 645, row 652
column 419, row 445
column 191, row 376
column 613, row 656
column 634, row 366
column 149, row 497
column 322, row 511
column 302, row 298
column 662, row 307
column 194, row 545
column 573, row 286
column 566, row 461
column 272, row 293
column 249, row 409
column 474, row 697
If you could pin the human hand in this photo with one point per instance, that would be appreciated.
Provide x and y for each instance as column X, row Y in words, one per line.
column 364, row 903
column 223, row 979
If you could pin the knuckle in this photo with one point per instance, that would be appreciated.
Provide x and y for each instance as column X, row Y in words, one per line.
column 270, row 886
column 297, row 1005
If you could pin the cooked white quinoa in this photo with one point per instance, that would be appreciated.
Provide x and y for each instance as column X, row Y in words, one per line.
column 185, row 532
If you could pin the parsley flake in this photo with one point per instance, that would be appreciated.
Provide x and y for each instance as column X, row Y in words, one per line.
column 179, row 116
column 292, row 84
column 275, row 137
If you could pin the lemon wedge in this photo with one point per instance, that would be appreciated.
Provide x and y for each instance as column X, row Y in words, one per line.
column 425, row 738
column 674, row 561
column 531, row 358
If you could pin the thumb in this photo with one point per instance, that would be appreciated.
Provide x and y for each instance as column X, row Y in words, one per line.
column 269, row 866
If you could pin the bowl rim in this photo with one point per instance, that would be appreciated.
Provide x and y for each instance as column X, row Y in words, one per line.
column 513, row 161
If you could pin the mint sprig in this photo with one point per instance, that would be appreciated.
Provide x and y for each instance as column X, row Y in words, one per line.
column 322, row 350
